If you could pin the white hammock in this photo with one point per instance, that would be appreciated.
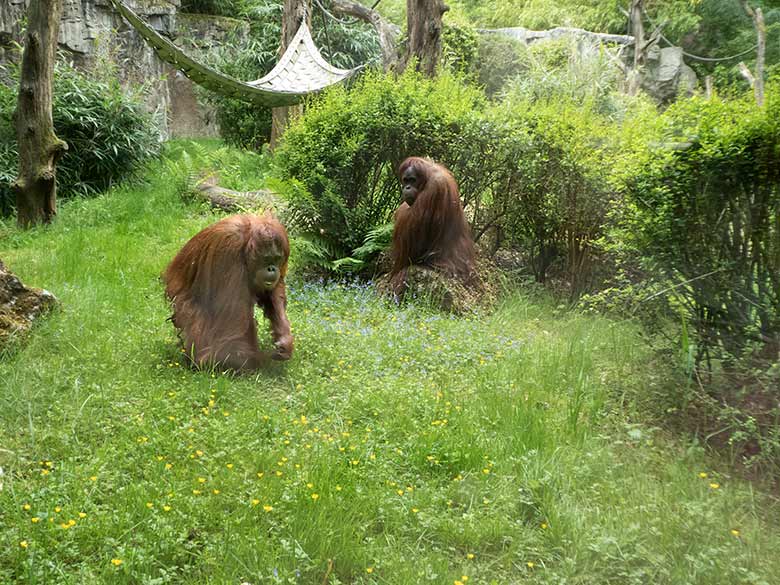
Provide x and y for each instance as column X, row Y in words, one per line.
column 300, row 71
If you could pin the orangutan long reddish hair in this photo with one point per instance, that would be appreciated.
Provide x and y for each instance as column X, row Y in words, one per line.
column 214, row 283
column 430, row 227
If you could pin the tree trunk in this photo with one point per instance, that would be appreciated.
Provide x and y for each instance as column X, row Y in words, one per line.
column 294, row 13
column 39, row 147
column 387, row 31
column 424, row 27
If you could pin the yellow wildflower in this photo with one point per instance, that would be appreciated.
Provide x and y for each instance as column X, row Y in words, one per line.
column 116, row 562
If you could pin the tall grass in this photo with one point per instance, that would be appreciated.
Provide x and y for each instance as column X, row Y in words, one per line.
column 398, row 446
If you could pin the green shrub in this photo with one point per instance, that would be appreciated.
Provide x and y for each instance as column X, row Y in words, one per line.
column 460, row 42
column 566, row 69
column 343, row 152
column 708, row 201
column 499, row 58
column 215, row 7
column 552, row 193
column 109, row 134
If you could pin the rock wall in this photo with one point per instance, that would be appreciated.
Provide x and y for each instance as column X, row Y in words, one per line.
column 93, row 35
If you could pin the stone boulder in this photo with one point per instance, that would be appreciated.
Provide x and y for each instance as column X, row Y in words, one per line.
column 666, row 75
column 20, row 306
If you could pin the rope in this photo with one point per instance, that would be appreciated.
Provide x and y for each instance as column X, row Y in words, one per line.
column 697, row 57
column 325, row 27
column 331, row 16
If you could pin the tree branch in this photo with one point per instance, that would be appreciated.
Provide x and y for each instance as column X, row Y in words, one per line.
column 387, row 31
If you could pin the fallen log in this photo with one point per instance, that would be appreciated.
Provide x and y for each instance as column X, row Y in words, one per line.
column 234, row 201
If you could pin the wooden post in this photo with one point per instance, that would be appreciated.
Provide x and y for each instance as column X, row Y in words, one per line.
column 39, row 147
column 638, row 31
column 424, row 27
column 758, row 88
column 708, row 88
column 758, row 80
column 294, row 13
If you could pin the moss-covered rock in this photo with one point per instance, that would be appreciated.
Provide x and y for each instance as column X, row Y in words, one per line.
column 20, row 306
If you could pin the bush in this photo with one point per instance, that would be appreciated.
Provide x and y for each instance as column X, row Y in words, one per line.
column 215, row 7
column 342, row 154
column 109, row 135
column 460, row 42
column 567, row 69
column 552, row 193
column 708, row 202
column 499, row 58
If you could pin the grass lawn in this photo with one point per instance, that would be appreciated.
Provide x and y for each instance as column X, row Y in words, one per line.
column 398, row 445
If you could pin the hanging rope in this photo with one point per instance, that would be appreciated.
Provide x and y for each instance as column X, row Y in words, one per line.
column 325, row 28
column 335, row 18
column 697, row 57
column 301, row 70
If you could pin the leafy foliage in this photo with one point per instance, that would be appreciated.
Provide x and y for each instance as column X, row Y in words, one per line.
column 708, row 201
column 499, row 58
column 215, row 7
column 552, row 192
column 460, row 42
column 109, row 134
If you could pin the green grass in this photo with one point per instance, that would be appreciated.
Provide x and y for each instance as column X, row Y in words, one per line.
column 398, row 446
